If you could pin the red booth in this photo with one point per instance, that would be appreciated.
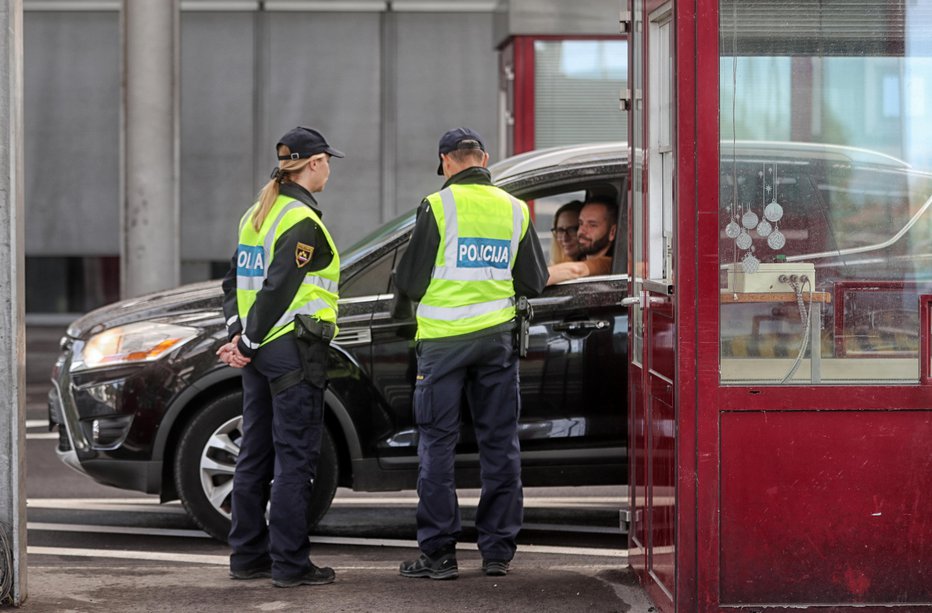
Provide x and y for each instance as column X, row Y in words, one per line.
column 781, row 249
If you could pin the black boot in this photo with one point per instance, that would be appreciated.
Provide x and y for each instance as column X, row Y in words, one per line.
column 440, row 565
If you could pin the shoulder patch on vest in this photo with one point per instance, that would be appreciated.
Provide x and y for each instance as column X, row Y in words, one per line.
column 302, row 254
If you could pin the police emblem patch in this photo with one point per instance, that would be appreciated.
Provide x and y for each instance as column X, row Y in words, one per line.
column 302, row 254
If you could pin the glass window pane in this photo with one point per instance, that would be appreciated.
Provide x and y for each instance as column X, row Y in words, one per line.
column 825, row 191
column 576, row 89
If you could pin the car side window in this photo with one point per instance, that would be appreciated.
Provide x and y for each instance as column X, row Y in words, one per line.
column 372, row 280
column 556, row 232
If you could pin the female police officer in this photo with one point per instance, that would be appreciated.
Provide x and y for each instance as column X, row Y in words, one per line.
column 285, row 265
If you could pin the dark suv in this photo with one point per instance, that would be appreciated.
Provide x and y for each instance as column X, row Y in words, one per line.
column 141, row 401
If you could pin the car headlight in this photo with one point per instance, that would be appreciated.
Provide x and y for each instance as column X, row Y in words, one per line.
column 131, row 344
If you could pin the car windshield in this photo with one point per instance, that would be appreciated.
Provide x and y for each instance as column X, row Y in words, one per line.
column 376, row 238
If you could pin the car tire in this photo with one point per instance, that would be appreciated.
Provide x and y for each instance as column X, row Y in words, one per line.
column 206, row 459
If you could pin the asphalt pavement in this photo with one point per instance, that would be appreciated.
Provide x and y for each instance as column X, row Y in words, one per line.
column 180, row 570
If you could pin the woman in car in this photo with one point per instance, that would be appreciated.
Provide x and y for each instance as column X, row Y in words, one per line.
column 280, row 305
column 565, row 244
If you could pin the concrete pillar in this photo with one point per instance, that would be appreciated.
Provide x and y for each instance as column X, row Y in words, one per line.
column 12, row 336
column 150, row 242
column 389, row 111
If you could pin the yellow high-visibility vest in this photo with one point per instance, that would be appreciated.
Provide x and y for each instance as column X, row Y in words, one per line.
column 317, row 295
column 471, row 287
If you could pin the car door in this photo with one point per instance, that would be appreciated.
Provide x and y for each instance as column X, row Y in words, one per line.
column 570, row 411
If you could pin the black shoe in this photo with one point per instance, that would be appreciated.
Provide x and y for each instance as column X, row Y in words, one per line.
column 258, row 572
column 315, row 576
column 495, row 568
column 441, row 566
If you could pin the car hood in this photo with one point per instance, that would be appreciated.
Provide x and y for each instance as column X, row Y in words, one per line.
column 205, row 296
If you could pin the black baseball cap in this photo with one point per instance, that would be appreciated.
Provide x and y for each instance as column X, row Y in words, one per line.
column 458, row 138
column 305, row 142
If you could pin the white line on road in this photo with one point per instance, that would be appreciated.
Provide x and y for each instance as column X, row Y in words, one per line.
column 140, row 505
column 97, row 529
column 576, row 503
column 224, row 559
column 535, row 502
column 167, row 556
column 42, row 436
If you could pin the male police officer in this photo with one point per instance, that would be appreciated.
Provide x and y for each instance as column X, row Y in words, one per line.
column 473, row 249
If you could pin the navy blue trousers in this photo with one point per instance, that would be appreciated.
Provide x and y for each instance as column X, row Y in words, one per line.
column 487, row 368
column 281, row 445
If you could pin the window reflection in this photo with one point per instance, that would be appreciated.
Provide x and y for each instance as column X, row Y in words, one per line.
column 825, row 191
column 576, row 85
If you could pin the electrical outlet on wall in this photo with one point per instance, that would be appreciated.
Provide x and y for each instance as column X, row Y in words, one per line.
column 768, row 278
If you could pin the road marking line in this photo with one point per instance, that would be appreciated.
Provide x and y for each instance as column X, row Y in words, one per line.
column 319, row 540
column 99, row 529
column 169, row 556
column 142, row 506
column 68, row 503
column 194, row 533
column 42, row 436
column 223, row 560
column 571, row 528
column 139, row 503
column 613, row 502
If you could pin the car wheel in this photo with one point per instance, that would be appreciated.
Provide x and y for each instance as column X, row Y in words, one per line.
column 206, row 459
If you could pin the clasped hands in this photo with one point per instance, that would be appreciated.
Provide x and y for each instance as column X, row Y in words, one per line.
column 230, row 354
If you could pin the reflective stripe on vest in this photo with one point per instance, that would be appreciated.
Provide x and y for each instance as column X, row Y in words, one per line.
column 254, row 283
column 472, row 310
column 471, row 286
column 318, row 293
column 450, row 241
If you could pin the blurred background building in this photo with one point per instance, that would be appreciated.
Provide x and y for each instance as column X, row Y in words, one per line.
column 381, row 79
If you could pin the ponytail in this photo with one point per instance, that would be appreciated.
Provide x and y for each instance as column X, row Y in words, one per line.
column 269, row 193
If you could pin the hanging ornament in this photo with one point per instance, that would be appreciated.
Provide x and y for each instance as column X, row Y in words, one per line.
column 764, row 228
column 750, row 264
column 749, row 219
column 732, row 230
column 744, row 240
column 776, row 240
column 773, row 211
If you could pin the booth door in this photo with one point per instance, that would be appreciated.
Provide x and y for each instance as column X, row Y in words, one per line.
column 652, row 431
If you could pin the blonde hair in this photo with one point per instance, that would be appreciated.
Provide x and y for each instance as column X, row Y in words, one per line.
column 282, row 174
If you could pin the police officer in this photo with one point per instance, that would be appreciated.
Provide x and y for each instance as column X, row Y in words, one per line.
column 285, row 265
column 473, row 248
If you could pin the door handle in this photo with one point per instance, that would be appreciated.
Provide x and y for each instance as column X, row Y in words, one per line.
column 630, row 301
column 580, row 326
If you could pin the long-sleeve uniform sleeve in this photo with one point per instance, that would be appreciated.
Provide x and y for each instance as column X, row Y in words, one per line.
column 230, row 309
column 412, row 274
column 530, row 270
column 282, row 282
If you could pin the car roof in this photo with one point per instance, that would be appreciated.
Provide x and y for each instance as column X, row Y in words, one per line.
column 553, row 157
column 534, row 162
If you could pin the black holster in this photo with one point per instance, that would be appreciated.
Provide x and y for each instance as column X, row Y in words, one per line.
column 312, row 336
column 524, row 313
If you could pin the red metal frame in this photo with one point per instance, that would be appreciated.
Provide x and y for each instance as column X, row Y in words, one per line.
column 849, row 462
column 524, row 102
column 524, row 94
column 925, row 306
column 688, row 127
column 748, row 438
